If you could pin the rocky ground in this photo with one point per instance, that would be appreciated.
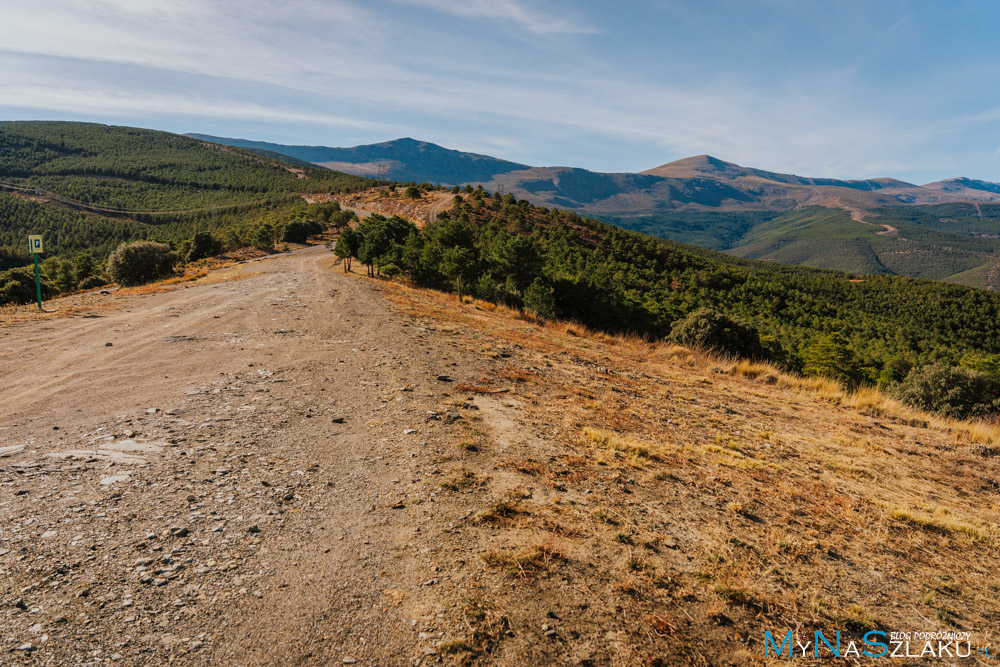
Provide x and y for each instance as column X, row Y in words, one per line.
column 243, row 472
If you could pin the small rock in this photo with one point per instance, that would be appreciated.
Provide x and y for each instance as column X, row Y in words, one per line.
column 254, row 529
column 25, row 647
column 444, row 378
column 288, row 496
column 339, row 420
column 19, row 604
column 192, row 498
column 195, row 645
column 349, row 660
column 408, row 431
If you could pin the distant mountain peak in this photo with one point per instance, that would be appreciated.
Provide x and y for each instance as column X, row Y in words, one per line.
column 403, row 159
column 698, row 164
column 969, row 187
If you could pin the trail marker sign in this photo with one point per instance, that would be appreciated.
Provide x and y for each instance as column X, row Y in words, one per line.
column 35, row 244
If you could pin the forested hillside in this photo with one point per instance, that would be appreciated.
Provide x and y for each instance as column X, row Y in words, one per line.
column 859, row 328
column 87, row 187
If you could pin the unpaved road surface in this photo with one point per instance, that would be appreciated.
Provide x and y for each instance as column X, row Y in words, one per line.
column 231, row 473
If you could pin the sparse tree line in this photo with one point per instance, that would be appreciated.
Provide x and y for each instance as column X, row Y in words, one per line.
column 932, row 344
column 142, row 261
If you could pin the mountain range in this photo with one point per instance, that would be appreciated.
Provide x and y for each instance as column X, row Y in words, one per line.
column 947, row 230
column 697, row 183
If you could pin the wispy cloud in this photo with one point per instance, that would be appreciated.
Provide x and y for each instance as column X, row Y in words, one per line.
column 513, row 11
column 341, row 70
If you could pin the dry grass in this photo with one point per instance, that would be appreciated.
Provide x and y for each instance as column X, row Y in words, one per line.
column 721, row 494
column 945, row 523
column 523, row 562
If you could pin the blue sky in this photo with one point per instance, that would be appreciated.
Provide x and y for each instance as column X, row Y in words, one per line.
column 841, row 89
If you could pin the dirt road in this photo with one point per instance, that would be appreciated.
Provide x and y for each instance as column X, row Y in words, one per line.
column 214, row 475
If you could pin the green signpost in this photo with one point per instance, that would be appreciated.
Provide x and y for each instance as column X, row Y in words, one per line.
column 35, row 245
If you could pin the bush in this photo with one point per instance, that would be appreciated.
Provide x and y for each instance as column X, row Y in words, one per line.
column 412, row 192
column 299, row 231
column 139, row 262
column 714, row 331
column 540, row 299
column 950, row 390
column 262, row 238
column 203, row 245
column 831, row 357
column 17, row 286
column 59, row 272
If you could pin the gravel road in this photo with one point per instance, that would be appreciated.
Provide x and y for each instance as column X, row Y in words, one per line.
column 232, row 473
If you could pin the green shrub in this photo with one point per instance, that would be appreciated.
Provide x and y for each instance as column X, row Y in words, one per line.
column 412, row 192
column 263, row 238
column 299, row 231
column 950, row 390
column 59, row 272
column 17, row 286
column 84, row 267
column 711, row 330
column 140, row 262
column 831, row 357
column 540, row 299
column 203, row 245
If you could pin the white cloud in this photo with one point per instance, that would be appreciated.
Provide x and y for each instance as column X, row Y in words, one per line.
column 118, row 103
column 338, row 64
column 512, row 11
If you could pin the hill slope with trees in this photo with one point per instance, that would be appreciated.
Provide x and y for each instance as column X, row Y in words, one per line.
column 859, row 328
column 87, row 188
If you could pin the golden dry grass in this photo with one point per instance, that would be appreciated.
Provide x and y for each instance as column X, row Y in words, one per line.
column 693, row 488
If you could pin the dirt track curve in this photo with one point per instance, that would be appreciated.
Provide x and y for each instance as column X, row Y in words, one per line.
column 212, row 475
